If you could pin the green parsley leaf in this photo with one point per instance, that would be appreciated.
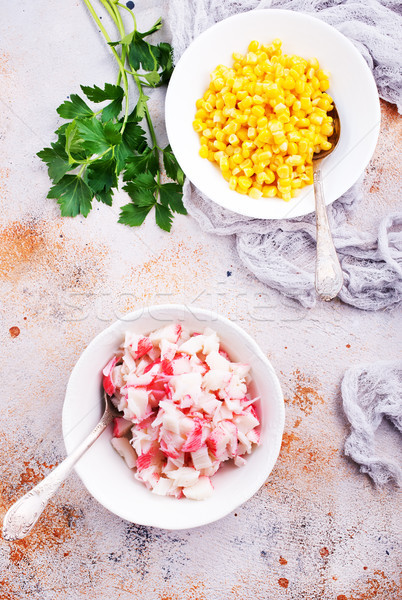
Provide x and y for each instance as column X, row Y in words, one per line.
column 153, row 78
column 112, row 110
column 153, row 29
column 139, row 111
column 75, row 144
column 133, row 215
column 57, row 161
column 112, row 133
column 75, row 107
column 142, row 54
column 134, row 137
column 93, row 135
column 172, row 167
column 142, row 191
column 122, row 153
column 101, row 175
column 148, row 161
column 105, row 196
column 171, row 195
column 110, row 92
column 165, row 59
column 73, row 196
column 163, row 217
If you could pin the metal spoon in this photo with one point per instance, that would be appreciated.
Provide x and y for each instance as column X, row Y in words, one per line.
column 22, row 516
column 328, row 271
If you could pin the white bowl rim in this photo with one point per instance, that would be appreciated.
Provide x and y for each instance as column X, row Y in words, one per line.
column 250, row 489
column 296, row 209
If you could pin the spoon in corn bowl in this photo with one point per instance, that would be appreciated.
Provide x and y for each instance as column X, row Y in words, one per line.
column 328, row 271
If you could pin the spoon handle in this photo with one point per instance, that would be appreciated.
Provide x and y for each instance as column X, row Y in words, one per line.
column 328, row 271
column 22, row 516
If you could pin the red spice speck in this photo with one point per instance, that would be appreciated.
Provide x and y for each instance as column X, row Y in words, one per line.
column 14, row 331
column 324, row 552
column 341, row 597
column 347, row 345
column 283, row 582
column 365, row 568
column 283, row 561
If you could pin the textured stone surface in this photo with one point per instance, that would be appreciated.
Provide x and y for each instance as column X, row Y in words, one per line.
column 317, row 529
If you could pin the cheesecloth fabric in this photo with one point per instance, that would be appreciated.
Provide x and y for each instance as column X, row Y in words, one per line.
column 371, row 393
column 281, row 254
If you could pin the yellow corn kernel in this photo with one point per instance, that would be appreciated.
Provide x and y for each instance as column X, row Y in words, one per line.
column 269, row 191
column 244, row 182
column 218, row 84
column 270, row 175
column 301, row 123
column 197, row 125
column 233, row 182
column 224, row 163
column 201, row 114
column 327, row 129
column 283, row 172
column 246, row 163
column 245, row 103
column 264, row 157
column 251, row 58
column 262, row 123
column 271, row 90
column 251, row 133
column 242, row 134
column 229, row 100
column 248, row 171
column 292, row 148
column 257, row 110
column 288, row 83
column 325, row 145
column 295, row 160
column 203, row 152
column 219, row 145
column 233, row 139
column 220, row 103
column 324, row 85
column 253, row 46
column 303, row 146
column 316, row 119
column 261, row 177
column 255, row 193
column 230, row 128
column 237, row 159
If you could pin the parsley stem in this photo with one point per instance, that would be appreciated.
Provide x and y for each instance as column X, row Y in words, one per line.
column 116, row 55
column 131, row 13
column 84, row 166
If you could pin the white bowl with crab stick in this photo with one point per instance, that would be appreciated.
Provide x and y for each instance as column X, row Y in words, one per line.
column 107, row 476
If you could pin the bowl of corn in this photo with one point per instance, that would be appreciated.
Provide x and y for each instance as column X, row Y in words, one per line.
column 249, row 105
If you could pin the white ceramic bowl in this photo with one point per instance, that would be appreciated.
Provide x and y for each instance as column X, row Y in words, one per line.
column 105, row 474
column 352, row 87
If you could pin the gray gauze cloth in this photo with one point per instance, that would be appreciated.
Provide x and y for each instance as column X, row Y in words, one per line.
column 371, row 393
column 281, row 254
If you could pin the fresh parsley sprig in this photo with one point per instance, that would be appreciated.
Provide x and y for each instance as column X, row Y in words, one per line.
column 97, row 145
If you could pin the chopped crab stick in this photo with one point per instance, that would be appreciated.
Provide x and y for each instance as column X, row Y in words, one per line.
column 186, row 409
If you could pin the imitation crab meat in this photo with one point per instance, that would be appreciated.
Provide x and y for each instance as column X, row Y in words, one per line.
column 186, row 409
